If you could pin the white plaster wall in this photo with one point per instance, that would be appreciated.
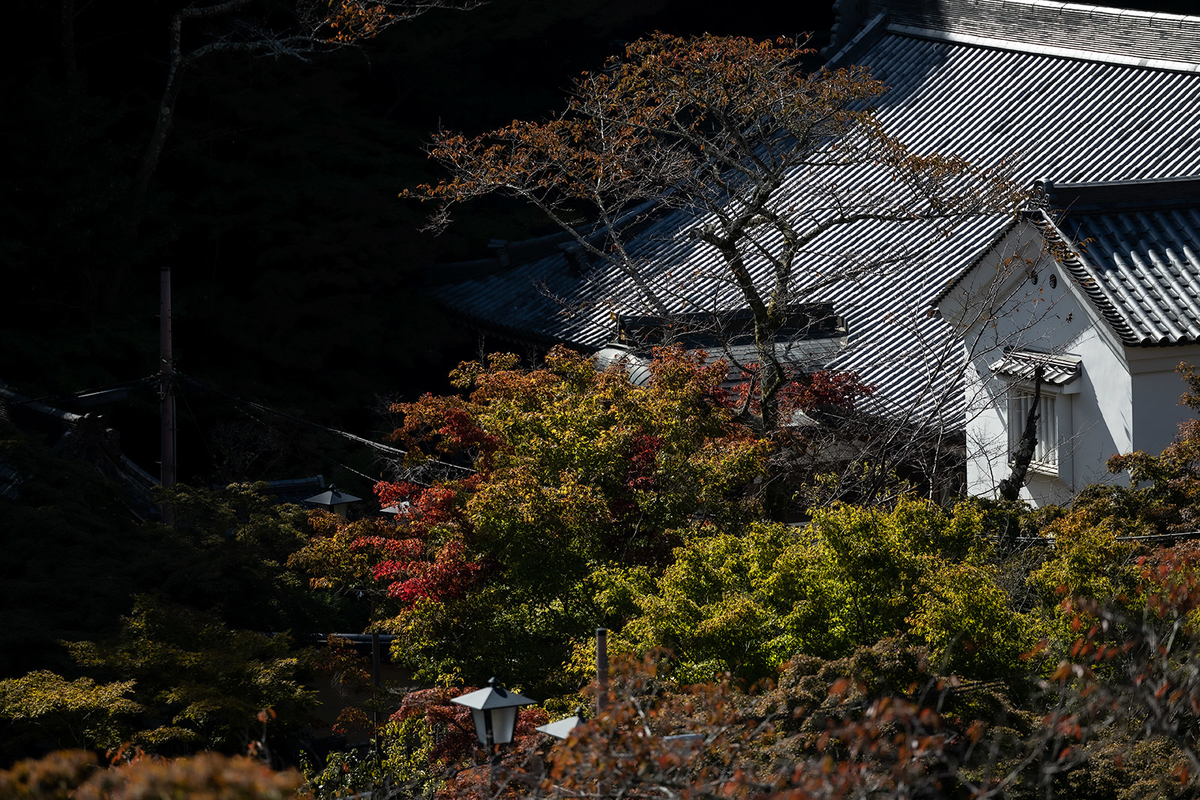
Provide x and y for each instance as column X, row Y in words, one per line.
column 1156, row 390
column 1101, row 412
column 998, row 306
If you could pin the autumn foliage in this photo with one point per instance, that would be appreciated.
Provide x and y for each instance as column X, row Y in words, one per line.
column 717, row 131
column 563, row 470
column 76, row 774
column 902, row 650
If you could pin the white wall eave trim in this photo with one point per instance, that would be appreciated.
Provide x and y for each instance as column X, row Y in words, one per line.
column 1057, row 52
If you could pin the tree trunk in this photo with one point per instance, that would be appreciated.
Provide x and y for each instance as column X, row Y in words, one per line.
column 148, row 164
column 1010, row 487
column 176, row 62
column 772, row 377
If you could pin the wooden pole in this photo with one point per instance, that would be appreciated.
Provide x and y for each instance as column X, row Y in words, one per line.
column 375, row 692
column 601, row 687
column 166, row 390
column 601, row 670
column 491, row 751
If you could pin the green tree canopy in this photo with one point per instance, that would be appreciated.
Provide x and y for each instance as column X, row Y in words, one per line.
column 565, row 469
column 748, row 601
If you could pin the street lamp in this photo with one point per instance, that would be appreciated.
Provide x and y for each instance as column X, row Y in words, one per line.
column 494, row 710
column 333, row 500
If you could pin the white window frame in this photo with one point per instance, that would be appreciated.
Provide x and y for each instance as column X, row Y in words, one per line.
column 1054, row 456
column 1020, row 398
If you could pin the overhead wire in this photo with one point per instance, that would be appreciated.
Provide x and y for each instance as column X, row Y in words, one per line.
column 199, row 430
column 356, row 472
column 394, row 452
column 45, row 399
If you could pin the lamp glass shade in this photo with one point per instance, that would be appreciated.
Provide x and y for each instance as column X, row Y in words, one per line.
column 480, row 725
column 504, row 722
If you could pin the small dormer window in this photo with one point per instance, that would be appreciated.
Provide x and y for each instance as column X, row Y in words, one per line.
column 1060, row 374
column 1020, row 400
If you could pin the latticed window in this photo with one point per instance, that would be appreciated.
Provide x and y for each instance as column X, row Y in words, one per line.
column 1019, row 402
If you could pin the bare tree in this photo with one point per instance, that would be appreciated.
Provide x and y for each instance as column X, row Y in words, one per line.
column 721, row 129
column 752, row 162
column 273, row 28
column 1010, row 487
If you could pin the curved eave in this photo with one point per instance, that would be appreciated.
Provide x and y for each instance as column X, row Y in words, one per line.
column 1082, row 272
column 1164, row 342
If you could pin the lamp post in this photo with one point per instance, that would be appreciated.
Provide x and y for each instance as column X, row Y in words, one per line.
column 601, row 670
column 494, row 711
column 166, row 392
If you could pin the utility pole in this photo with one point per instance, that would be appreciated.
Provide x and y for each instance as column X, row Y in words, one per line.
column 601, row 670
column 166, row 390
column 375, row 682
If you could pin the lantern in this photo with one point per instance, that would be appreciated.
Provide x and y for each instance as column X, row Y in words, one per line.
column 494, row 710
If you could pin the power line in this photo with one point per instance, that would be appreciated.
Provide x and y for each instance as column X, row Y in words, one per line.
column 82, row 393
column 1156, row 536
column 394, row 452
column 356, row 472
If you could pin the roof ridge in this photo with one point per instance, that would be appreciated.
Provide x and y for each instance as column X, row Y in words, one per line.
column 1141, row 38
column 1082, row 54
column 1088, row 8
column 1145, row 193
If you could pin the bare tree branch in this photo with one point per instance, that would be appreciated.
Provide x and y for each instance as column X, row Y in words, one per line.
column 295, row 29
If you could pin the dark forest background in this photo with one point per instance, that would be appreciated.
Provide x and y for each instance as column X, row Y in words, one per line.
column 298, row 272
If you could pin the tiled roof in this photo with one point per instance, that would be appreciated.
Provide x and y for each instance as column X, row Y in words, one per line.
column 10, row 481
column 77, row 436
column 1057, row 370
column 292, row 490
column 1068, row 119
column 1135, row 251
column 1086, row 31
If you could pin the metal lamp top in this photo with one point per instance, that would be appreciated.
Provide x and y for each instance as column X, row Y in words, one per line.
column 331, row 497
column 494, row 696
column 561, row 729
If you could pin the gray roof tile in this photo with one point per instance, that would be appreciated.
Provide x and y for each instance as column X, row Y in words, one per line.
column 1069, row 120
column 1135, row 252
column 1058, row 370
